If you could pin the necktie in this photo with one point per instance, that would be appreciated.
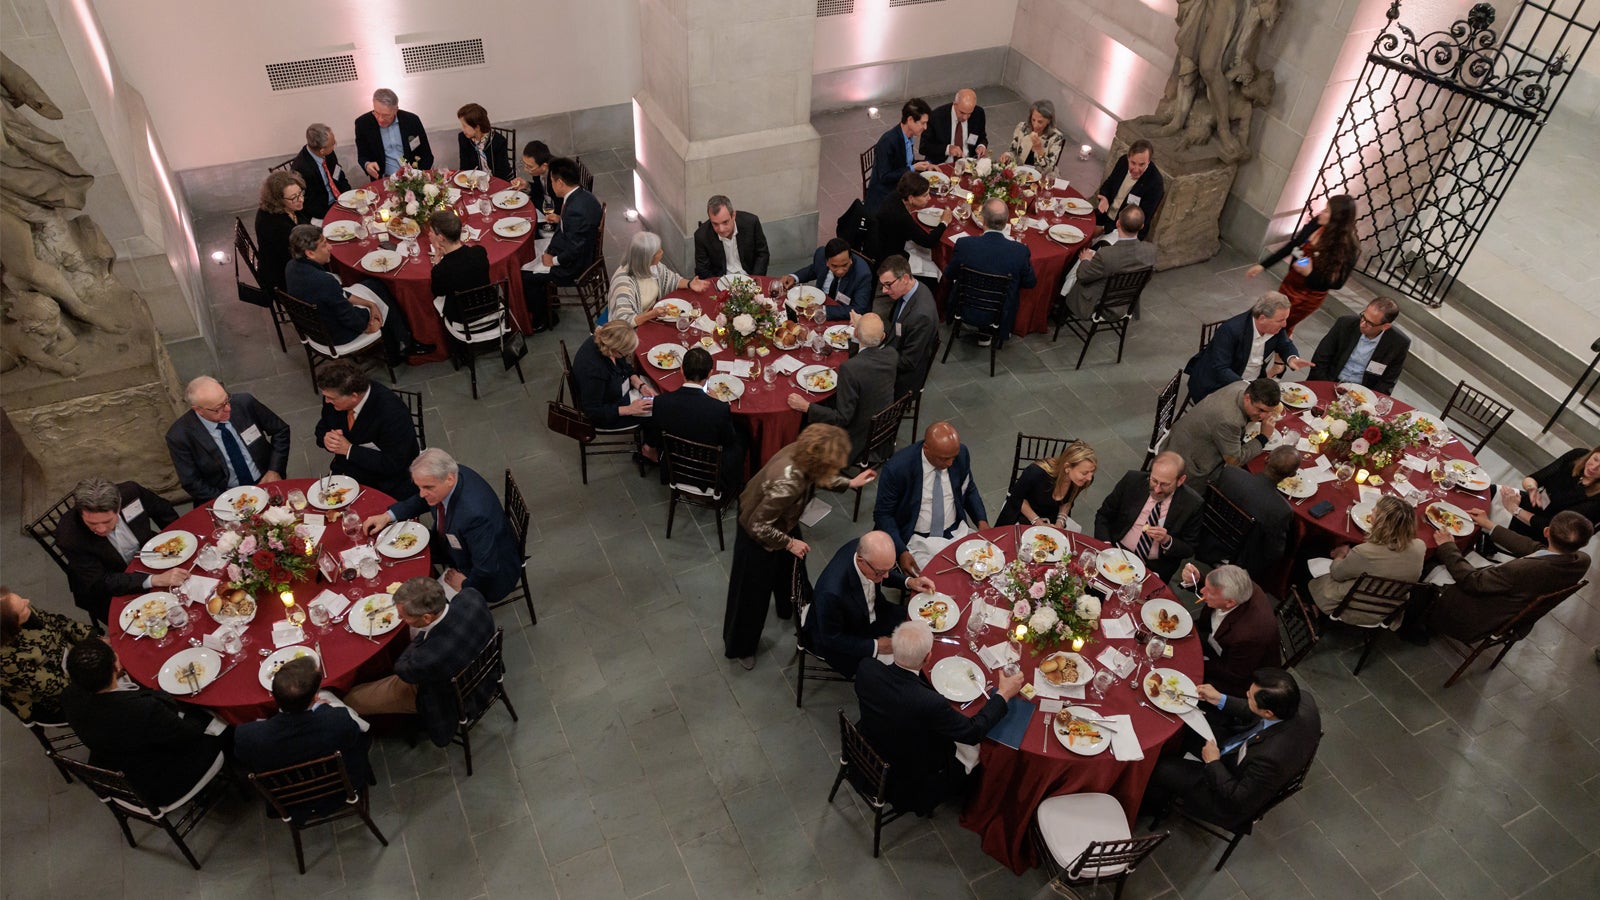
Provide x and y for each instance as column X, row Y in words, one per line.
column 241, row 468
column 833, row 286
column 1241, row 739
column 901, row 307
column 1144, row 539
column 333, row 186
column 439, row 517
column 936, row 517
column 961, row 136
column 349, row 421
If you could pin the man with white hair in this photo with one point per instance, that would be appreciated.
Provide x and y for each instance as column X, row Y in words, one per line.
column 955, row 130
column 849, row 620
column 389, row 136
column 319, row 166
column 866, row 386
column 226, row 440
column 916, row 729
column 470, row 534
column 1238, row 631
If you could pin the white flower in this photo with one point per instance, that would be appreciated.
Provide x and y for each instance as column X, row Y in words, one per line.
column 1338, row 427
column 278, row 515
column 430, row 190
column 1088, row 606
column 1359, row 446
column 985, row 166
column 411, row 208
column 228, row 543
column 744, row 324
column 1043, row 620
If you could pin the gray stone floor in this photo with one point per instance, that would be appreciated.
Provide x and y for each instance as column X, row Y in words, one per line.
column 646, row 766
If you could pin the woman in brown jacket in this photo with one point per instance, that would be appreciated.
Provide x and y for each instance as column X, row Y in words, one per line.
column 767, row 551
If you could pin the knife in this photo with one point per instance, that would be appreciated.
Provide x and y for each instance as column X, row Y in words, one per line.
column 225, row 670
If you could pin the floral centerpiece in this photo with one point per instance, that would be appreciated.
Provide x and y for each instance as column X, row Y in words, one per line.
column 418, row 193
column 1051, row 604
column 995, row 180
column 1362, row 436
column 267, row 552
column 748, row 314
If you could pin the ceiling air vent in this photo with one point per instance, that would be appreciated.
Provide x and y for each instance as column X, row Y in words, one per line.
column 893, row 3
column 306, row 73
column 443, row 55
column 835, row 7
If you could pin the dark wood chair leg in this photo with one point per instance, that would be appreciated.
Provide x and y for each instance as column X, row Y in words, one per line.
column 857, row 513
column 299, row 849
column 994, row 349
column 1371, row 642
column 838, row 779
column 672, row 509
column 721, row 544
column 1232, row 846
column 506, row 699
column 800, row 692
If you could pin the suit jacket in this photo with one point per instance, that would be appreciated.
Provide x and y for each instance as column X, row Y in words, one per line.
column 96, row 571
column 476, row 522
column 837, row 627
column 689, row 413
column 462, row 269
column 272, row 248
column 383, row 442
column 866, row 386
column 499, row 155
column 575, row 241
column 1223, row 360
column 1213, row 429
column 289, row 739
column 1249, row 639
column 600, row 385
column 1263, row 544
column 311, row 282
column 1150, row 189
column 913, row 327
column 147, row 735
column 854, row 291
column 1335, row 348
column 711, row 260
column 413, row 142
column 888, row 164
column 1482, row 600
column 431, row 660
column 892, row 226
column 310, row 168
column 915, row 729
column 1112, row 259
column 199, row 461
column 937, row 139
column 1232, row 790
column 995, row 254
column 900, row 494
column 1122, row 506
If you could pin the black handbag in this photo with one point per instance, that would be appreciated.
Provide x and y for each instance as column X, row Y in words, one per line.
column 513, row 343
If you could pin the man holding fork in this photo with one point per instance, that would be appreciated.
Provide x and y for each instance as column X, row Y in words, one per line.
column 103, row 534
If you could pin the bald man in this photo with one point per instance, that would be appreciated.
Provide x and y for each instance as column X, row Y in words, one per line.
column 957, row 129
column 866, row 386
column 926, row 497
column 849, row 619
column 226, row 440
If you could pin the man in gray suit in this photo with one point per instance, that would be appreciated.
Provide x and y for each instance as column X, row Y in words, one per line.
column 866, row 386
column 226, row 440
column 913, row 323
column 1118, row 252
column 1212, row 435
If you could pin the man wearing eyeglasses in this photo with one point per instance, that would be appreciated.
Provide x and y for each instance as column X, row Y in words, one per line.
column 1364, row 349
column 226, row 440
column 912, row 325
column 849, row 619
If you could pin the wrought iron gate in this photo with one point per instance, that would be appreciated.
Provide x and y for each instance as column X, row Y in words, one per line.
column 1437, row 127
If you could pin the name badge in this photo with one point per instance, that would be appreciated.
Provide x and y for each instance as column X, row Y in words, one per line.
column 415, row 140
column 972, row 138
column 1133, row 200
column 133, row 511
column 250, row 435
column 899, row 330
column 338, row 173
column 1376, row 368
column 455, row 542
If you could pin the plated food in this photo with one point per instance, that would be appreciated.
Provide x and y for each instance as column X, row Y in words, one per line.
column 803, row 298
column 1065, row 668
column 1166, row 618
column 1078, row 207
column 189, row 670
column 1297, row 486
column 232, row 606
column 1297, row 395
column 1077, row 728
column 512, row 226
column 938, row 610
column 374, row 615
column 1170, row 690
column 671, row 309
column 168, row 549
column 1064, row 234
column 957, row 678
column 333, row 492
column 667, row 357
column 726, row 282
column 1118, row 566
column 724, row 387
column 980, row 557
column 936, row 177
column 470, row 178
column 340, row 231
column 140, row 612
column 1451, row 518
column 381, row 260
column 839, row 336
column 817, row 379
column 402, row 540
column 1470, row 476
column 405, row 229
column 510, row 199
column 280, row 658
column 1361, row 514
column 1361, row 394
column 240, row 502
column 1027, row 175
column 354, row 199
column 1043, row 543
column 1427, row 425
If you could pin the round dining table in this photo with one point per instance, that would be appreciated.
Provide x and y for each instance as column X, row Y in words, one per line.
column 1011, row 783
column 1050, row 258
column 763, row 410
column 411, row 284
column 349, row 658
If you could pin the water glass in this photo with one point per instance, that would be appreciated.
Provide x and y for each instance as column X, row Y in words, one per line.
column 156, row 628
column 1103, row 680
column 683, row 330
column 232, row 641
column 975, row 621
column 297, row 500
column 318, row 614
column 351, row 524
column 1154, row 649
column 768, row 376
column 178, row 617
column 1383, row 405
column 1012, row 668
column 368, row 567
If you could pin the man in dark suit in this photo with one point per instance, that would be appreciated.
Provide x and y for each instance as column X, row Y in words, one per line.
column 446, row 636
column 1133, row 181
column 913, row 325
column 1238, row 629
column 1365, row 349
column 1257, row 495
column 991, row 253
column 1243, row 348
column 571, row 249
column 367, row 428
column 927, row 490
column 319, row 166
column 915, row 729
column 100, row 536
column 389, row 137
column 693, row 415
column 471, row 535
column 1105, row 259
column 892, row 156
column 160, row 744
column 226, row 440
column 850, row 620
column 1156, row 516
column 1267, row 736
column 729, row 242
column 347, row 314
column 301, row 732
column 866, row 386
column 535, row 179
column 955, row 130
column 843, row 276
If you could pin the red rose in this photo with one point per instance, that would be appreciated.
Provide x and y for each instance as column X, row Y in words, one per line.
column 1014, row 190
column 280, row 575
column 263, row 559
column 1373, row 434
column 1009, row 172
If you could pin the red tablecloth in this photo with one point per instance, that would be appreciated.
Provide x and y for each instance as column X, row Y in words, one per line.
column 411, row 284
column 1012, row 783
column 237, row 696
column 1050, row 259
column 764, row 412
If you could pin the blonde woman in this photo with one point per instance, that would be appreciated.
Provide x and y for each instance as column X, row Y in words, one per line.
column 603, row 379
column 1392, row 550
column 1045, row 491
column 641, row 281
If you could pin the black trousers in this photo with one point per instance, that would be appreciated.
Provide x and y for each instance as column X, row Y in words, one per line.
column 757, row 574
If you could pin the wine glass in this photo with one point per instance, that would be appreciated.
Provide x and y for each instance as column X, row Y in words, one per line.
column 1383, row 405
column 178, row 617
column 351, row 524
column 368, row 568
column 297, row 500
column 976, row 614
column 683, row 330
column 1343, row 473
column 156, row 628
column 1015, row 666
column 1129, row 594
column 319, row 616
column 1155, row 648
column 768, row 376
column 1090, row 560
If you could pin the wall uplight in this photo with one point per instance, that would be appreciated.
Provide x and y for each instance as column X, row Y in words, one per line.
column 872, row 112
column 632, row 215
column 219, row 258
column 1084, row 151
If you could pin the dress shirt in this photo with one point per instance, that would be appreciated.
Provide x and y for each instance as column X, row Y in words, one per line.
column 351, row 416
column 869, row 590
column 418, row 634
column 1130, row 540
column 555, row 260
column 730, row 249
column 1128, row 181
column 233, row 478
column 1258, row 350
column 393, row 145
column 910, row 159
column 124, row 542
column 1356, row 366
column 925, row 511
column 1217, row 615
column 323, row 170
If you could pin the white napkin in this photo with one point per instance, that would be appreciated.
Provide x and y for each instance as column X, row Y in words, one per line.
column 1111, row 659
column 351, row 559
column 1478, row 561
column 197, row 589
column 1322, row 463
column 468, row 233
column 786, row 364
column 996, row 616
column 1305, row 446
column 1283, row 438
column 958, row 235
column 967, row 755
column 312, row 533
column 312, row 520
column 1369, row 493
column 286, row 633
column 328, row 698
column 704, row 323
column 739, row 368
column 1312, row 422
column 1319, row 566
column 1196, row 719
column 1060, row 184
column 997, row 655
column 920, row 261
column 1125, row 743
column 1316, row 475
column 1118, row 628
column 961, row 192
column 213, row 641
column 331, row 602
column 1440, row 576
column 885, row 658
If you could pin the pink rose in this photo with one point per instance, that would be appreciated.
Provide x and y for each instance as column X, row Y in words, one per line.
column 275, row 544
column 1359, row 446
column 1036, row 590
column 1021, row 610
column 234, row 572
column 247, row 546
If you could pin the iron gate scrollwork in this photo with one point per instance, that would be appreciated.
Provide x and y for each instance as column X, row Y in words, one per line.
column 1436, row 128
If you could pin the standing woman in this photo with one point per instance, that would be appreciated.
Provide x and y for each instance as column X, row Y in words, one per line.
column 283, row 205
column 481, row 148
column 1325, row 251
column 1045, row 491
column 768, row 554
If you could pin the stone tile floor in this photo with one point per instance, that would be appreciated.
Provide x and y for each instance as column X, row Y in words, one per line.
column 645, row 765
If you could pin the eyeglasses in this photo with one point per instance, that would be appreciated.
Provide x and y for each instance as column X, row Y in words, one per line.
column 290, row 198
column 887, row 284
column 881, row 573
column 227, row 402
column 1371, row 324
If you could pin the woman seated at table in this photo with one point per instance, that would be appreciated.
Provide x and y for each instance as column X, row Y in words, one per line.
column 283, row 201
column 1037, row 142
column 1571, row 481
column 1392, row 550
column 457, row 267
column 895, row 223
column 481, row 148
column 602, row 374
column 32, row 646
column 1045, row 491
column 642, row 280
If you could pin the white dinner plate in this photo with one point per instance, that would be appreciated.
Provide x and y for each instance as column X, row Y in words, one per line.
column 674, row 308
column 1150, row 613
column 174, row 680
column 1428, row 424
column 1297, row 486
column 271, row 665
column 510, row 199
column 1463, row 523
column 1085, row 673
column 812, row 295
column 1047, row 538
column 405, row 229
column 381, row 261
column 1064, row 234
column 1361, row 514
column 1169, row 685
column 727, row 282
column 341, row 231
column 1027, row 174
column 1078, row 207
column 168, row 556
column 240, row 502
column 938, row 610
column 929, row 215
column 374, row 615
column 402, row 540
column 982, row 551
column 512, row 226
column 1297, row 396
column 332, row 492
column 957, row 678
column 468, row 178
column 839, row 336
column 1118, row 566
column 134, row 615
column 666, row 357
column 1361, row 394
column 724, row 387
column 935, row 176
column 1474, row 478
column 1083, row 745
column 354, row 199
column 817, row 379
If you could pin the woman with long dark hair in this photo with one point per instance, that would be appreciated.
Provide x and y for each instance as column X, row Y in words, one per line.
column 1324, row 250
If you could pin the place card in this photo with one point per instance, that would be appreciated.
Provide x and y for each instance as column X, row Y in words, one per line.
column 286, row 633
column 1117, row 629
column 214, row 640
column 786, row 364
column 333, row 603
column 703, row 323
column 997, row 655
column 1060, row 184
column 313, row 520
column 996, row 616
column 739, row 368
column 1322, row 463
column 1049, row 706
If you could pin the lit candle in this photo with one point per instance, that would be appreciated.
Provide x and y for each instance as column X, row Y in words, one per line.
column 311, row 548
column 287, row 597
column 1021, row 632
column 1361, row 476
column 383, row 213
column 1077, row 644
column 1322, row 437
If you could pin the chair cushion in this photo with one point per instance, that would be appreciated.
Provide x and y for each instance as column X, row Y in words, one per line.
column 205, row 779
column 459, row 332
column 697, row 491
column 362, row 342
column 1070, row 823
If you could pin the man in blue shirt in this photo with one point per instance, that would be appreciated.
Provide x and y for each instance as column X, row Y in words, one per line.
column 893, row 155
column 1364, row 349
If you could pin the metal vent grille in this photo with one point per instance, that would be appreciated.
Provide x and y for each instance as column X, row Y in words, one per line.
column 835, row 7
column 894, row 3
column 444, row 55
column 304, row 73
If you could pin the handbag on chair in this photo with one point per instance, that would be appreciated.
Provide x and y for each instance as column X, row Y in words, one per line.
column 513, row 343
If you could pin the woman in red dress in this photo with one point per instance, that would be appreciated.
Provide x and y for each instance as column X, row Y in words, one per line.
column 1324, row 250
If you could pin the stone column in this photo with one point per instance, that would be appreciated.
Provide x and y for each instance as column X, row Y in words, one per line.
column 725, row 108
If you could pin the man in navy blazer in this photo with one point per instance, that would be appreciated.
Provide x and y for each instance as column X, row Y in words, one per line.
column 367, row 428
column 843, row 276
column 690, row 413
column 1243, row 347
column 471, row 536
column 319, row 166
column 939, row 144
column 992, row 253
column 301, row 732
column 893, row 155
column 849, row 619
column 574, row 245
column 389, row 136
column 347, row 314
column 107, row 525
column 936, row 466
column 204, row 441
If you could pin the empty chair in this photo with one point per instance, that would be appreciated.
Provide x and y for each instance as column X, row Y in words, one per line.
column 1506, row 636
column 1084, row 839
column 318, row 345
column 979, row 292
column 592, row 289
column 244, row 250
column 868, row 775
column 1166, row 415
column 1380, row 603
column 481, row 320
column 517, row 518
column 868, row 159
column 913, row 410
column 317, row 784
column 125, row 802
column 881, row 433
column 488, row 665
column 1478, row 414
column 1112, row 312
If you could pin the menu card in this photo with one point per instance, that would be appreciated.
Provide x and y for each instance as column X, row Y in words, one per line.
column 786, row 364
column 739, row 368
column 998, row 655
column 1118, row 628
